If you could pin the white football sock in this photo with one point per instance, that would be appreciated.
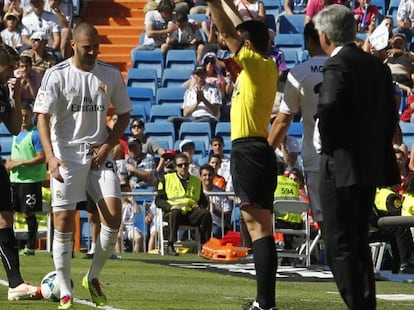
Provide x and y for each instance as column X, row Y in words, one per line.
column 105, row 244
column 62, row 257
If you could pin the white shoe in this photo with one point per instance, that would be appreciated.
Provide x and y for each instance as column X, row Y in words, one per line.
column 24, row 291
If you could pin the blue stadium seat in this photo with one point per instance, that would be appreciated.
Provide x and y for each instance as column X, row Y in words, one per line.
column 3, row 130
column 273, row 5
column 138, row 110
column 142, row 59
column 291, row 58
column 170, row 95
column 6, row 144
column 161, row 131
column 197, row 17
column 175, row 77
column 393, row 8
column 141, row 96
column 143, row 78
column 381, row 5
column 163, row 112
column 294, row 23
column 196, row 131
column 292, row 41
column 182, row 59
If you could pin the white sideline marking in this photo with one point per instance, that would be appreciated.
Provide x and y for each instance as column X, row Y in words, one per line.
column 76, row 300
column 390, row 297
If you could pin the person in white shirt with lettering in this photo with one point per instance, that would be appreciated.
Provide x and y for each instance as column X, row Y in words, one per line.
column 302, row 93
column 72, row 104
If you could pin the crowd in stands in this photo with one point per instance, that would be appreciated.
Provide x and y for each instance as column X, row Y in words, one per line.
column 40, row 30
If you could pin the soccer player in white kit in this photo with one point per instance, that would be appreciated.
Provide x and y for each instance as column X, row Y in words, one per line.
column 72, row 104
column 301, row 92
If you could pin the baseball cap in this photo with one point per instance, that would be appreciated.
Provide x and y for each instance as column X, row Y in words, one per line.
column 185, row 143
column 133, row 141
column 38, row 36
column 170, row 154
column 12, row 15
column 199, row 70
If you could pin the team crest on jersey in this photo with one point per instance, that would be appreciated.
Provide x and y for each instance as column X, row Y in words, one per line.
column 40, row 98
column 102, row 88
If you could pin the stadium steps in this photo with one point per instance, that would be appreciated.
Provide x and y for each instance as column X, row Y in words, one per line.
column 119, row 23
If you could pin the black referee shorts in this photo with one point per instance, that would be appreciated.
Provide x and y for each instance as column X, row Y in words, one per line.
column 5, row 190
column 254, row 171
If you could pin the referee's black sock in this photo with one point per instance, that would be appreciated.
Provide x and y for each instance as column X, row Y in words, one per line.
column 10, row 257
column 265, row 260
column 32, row 227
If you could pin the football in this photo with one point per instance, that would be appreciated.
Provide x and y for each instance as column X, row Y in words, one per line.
column 49, row 286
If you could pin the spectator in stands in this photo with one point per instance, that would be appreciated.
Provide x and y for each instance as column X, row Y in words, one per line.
column 186, row 36
column 187, row 147
column 402, row 163
column 180, row 195
column 287, row 188
column 214, row 76
column 42, row 21
column 149, row 145
column 30, row 79
column 158, row 25
column 367, row 14
column 405, row 18
column 251, row 9
column 140, row 166
column 41, row 59
column 19, row 7
column 200, row 7
column 388, row 203
column 399, row 62
column 300, row 96
column 182, row 6
column 27, row 169
column 63, row 9
column 315, row 6
column 128, row 232
column 295, row 6
column 202, row 102
column 214, row 161
column 279, row 58
column 11, row 34
column 219, row 206
column 216, row 147
column 408, row 202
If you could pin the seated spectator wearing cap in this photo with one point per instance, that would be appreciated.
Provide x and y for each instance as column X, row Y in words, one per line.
column 186, row 36
column 187, row 147
column 214, row 76
column 41, row 59
column 42, row 21
column 202, row 102
column 180, row 195
column 29, row 79
column 11, row 34
column 140, row 166
column 149, row 145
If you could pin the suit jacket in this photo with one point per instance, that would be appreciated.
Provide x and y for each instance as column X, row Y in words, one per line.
column 357, row 118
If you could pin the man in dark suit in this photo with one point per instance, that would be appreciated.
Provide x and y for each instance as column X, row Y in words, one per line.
column 357, row 116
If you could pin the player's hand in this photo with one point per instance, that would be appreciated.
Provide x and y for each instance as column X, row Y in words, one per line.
column 99, row 155
column 54, row 165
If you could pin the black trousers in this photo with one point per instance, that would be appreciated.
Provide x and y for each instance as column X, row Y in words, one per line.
column 345, row 231
column 198, row 217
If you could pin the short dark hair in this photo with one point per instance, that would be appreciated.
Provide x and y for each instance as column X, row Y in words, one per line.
column 217, row 138
column 180, row 155
column 165, row 5
column 311, row 33
column 256, row 32
column 207, row 167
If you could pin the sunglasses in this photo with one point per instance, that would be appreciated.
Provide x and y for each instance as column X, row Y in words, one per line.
column 136, row 126
column 182, row 165
column 210, row 61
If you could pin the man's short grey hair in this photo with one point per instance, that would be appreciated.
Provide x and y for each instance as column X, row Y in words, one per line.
column 338, row 22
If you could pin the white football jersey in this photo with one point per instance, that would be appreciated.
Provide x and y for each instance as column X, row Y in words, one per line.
column 78, row 102
column 302, row 91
